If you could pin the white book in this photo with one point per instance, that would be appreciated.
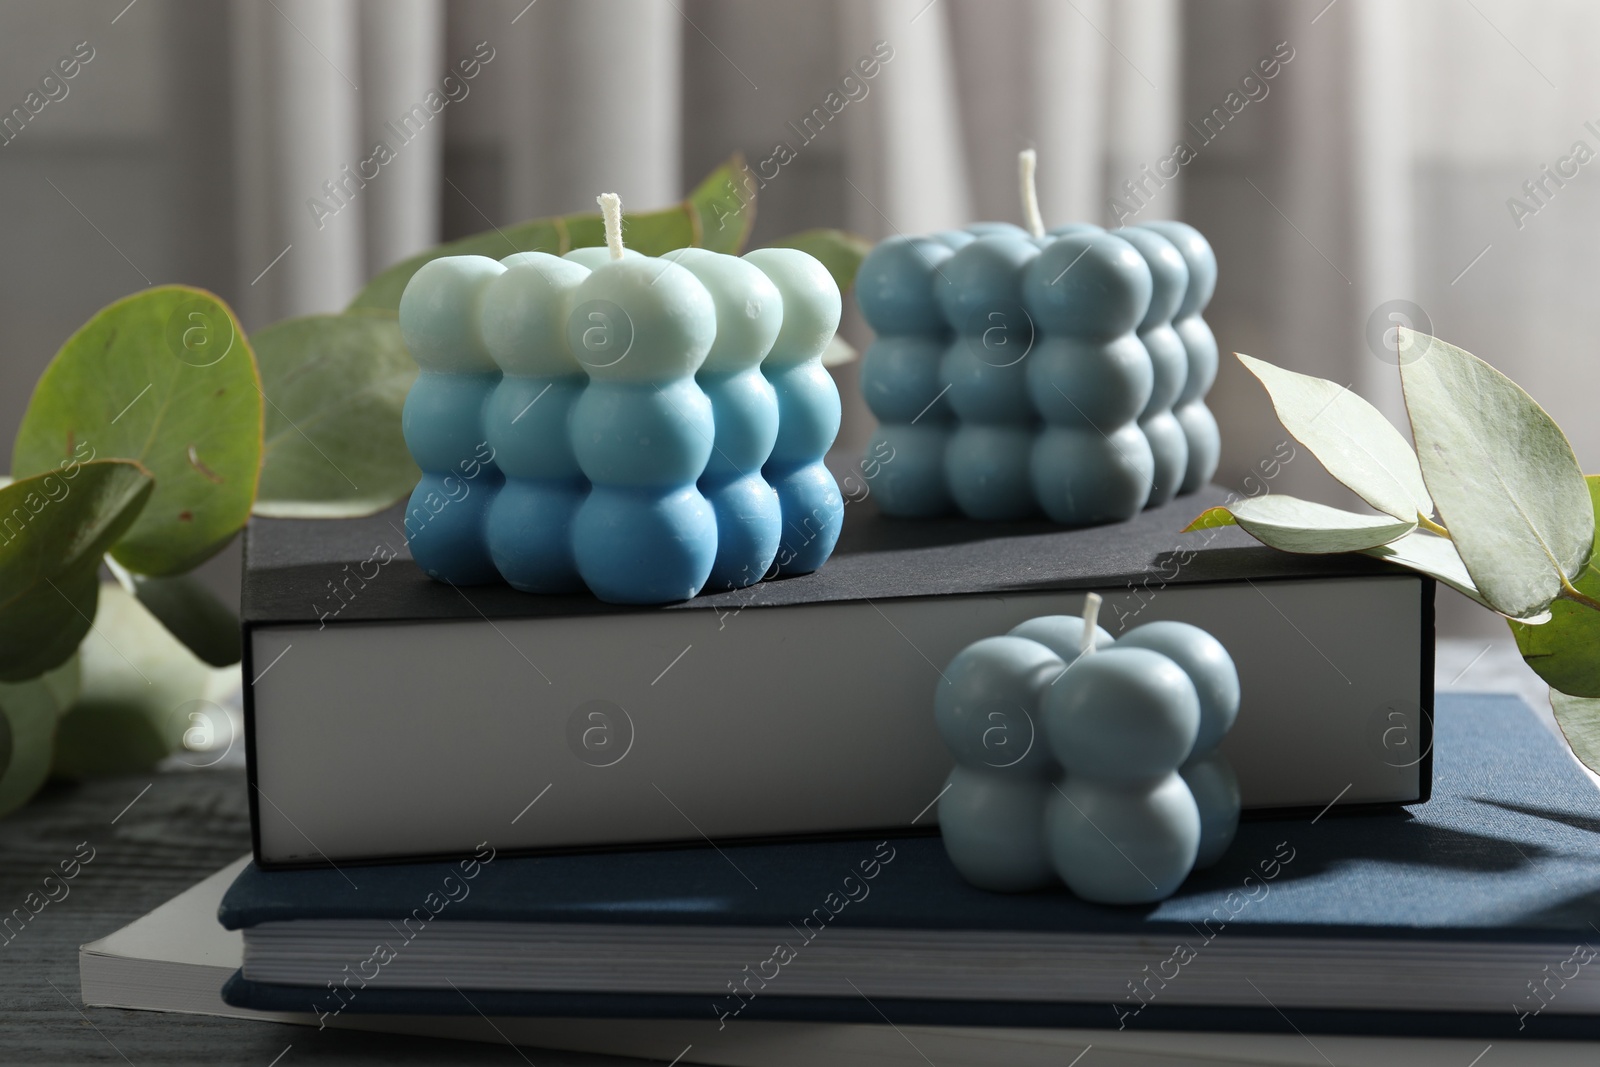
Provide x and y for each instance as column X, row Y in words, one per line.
column 395, row 718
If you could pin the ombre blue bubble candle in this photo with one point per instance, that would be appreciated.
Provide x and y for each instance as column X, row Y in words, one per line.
column 1088, row 761
column 641, row 428
column 1019, row 372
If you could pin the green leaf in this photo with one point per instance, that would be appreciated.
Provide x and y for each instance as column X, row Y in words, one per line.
column 335, row 386
column 193, row 614
column 1350, row 437
column 722, row 207
column 1293, row 525
column 1579, row 719
column 1437, row 558
column 1506, row 481
column 138, row 684
column 838, row 250
column 30, row 715
column 164, row 377
column 53, row 530
column 1566, row 650
column 716, row 215
column 1209, row 519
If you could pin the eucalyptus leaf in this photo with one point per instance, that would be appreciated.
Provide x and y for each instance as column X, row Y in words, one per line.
column 1437, row 558
column 165, row 377
column 1350, row 437
column 1294, row 525
column 54, row 528
column 1210, row 519
column 335, row 386
column 1566, row 650
column 64, row 682
column 30, row 714
column 1504, row 475
column 1579, row 719
column 194, row 615
column 838, row 250
column 716, row 215
column 138, row 681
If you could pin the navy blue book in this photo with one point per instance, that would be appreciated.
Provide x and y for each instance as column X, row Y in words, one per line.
column 1472, row 914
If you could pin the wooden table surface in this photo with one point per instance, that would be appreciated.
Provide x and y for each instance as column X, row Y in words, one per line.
column 186, row 825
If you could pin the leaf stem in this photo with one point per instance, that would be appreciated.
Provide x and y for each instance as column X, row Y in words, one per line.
column 1431, row 526
column 1569, row 592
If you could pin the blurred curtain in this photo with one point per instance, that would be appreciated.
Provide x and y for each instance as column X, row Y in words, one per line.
column 1363, row 185
column 590, row 96
column 573, row 98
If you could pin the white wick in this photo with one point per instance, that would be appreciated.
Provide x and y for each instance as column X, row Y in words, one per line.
column 1027, row 163
column 611, row 211
column 1091, row 623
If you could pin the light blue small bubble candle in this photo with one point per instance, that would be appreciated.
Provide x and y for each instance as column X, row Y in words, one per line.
column 900, row 373
column 1025, row 370
column 986, row 459
column 1088, row 761
column 1200, row 346
column 639, row 427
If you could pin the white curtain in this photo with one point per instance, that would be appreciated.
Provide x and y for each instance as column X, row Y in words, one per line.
column 1366, row 183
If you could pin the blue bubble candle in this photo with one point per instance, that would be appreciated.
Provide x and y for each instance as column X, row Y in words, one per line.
column 1200, row 348
column 808, row 408
column 1088, row 761
column 1018, row 371
column 641, row 428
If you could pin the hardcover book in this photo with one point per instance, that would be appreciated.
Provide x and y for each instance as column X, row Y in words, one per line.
column 1467, row 915
column 394, row 717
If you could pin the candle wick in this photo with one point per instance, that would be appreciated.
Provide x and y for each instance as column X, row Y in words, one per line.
column 1091, row 623
column 611, row 211
column 1027, row 163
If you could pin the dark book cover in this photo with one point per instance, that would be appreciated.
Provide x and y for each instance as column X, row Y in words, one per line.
column 290, row 563
column 1506, row 851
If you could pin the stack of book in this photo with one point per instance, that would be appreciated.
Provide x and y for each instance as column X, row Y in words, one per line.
column 716, row 820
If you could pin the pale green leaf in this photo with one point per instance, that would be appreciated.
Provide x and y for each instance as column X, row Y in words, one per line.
column 164, row 377
column 1579, row 719
column 717, row 215
column 54, row 528
column 840, row 251
column 1503, row 474
column 1294, row 525
column 194, row 615
column 1437, row 558
column 335, row 387
column 1210, row 518
column 139, row 685
column 1350, row 437
column 30, row 714
column 1566, row 650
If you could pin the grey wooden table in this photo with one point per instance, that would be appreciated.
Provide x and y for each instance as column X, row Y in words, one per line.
column 150, row 844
